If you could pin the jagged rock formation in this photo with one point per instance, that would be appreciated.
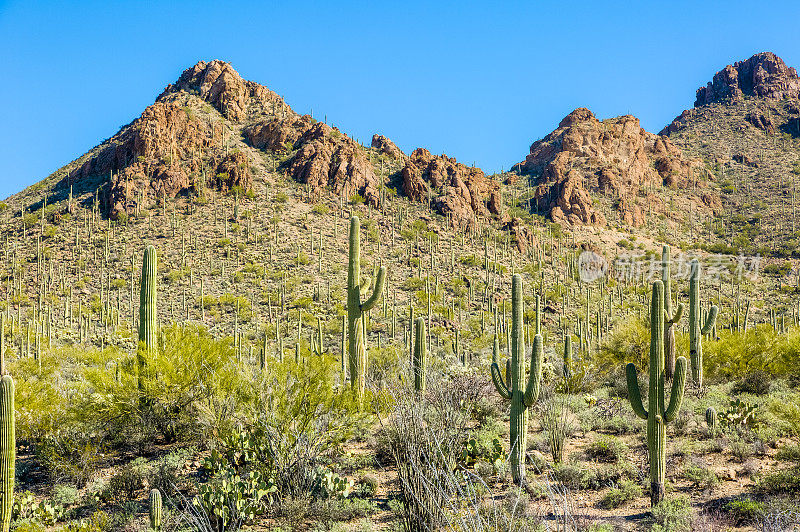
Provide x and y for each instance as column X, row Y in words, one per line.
column 454, row 189
column 763, row 75
column 386, row 147
column 613, row 157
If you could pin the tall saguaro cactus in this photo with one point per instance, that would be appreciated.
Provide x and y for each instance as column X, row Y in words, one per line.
column 522, row 395
column 658, row 412
column 696, row 328
column 670, row 317
column 148, row 322
column 356, row 309
column 420, row 356
column 7, row 450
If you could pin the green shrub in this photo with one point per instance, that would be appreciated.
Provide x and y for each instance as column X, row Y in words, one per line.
column 745, row 511
column 672, row 515
column 626, row 491
column 701, row 477
column 789, row 452
column 786, row 481
column 607, row 449
column 124, row 485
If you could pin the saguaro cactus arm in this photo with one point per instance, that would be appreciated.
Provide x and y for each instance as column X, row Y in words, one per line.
column 676, row 316
column 535, row 377
column 711, row 320
column 501, row 386
column 678, row 387
column 377, row 292
column 634, row 393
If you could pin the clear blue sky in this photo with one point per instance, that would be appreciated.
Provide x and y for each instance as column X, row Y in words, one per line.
column 478, row 82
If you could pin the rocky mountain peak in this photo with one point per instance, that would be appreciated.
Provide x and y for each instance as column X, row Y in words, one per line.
column 763, row 75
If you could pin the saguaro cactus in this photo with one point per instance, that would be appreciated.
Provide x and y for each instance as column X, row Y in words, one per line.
column 696, row 329
column 155, row 509
column 420, row 355
column 658, row 414
column 670, row 318
column 356, row 309
column 711, row 421
column 148, row 322
column 522, row 395
column 7, row 450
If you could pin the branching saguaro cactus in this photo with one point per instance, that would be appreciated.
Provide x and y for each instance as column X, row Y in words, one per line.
column 155, row 509
column 670, row 317
column 522, row 395
column 7, row 450
column 696, row 328
column 148, row 323
column 356, row 309
column 420, row 355
column 657, row 414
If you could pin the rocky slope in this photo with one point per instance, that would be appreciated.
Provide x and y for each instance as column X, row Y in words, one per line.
column 745, row 128
column 211, row 128
column 584, row 158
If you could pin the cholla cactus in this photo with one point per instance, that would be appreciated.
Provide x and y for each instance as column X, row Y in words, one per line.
column 522, row 395
column 658, row 413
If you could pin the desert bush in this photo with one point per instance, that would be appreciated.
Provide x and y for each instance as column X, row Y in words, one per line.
column 672, row 515
column 701, row 477
column 759, row 349
column 188, row 370
column 607, row 449
column 744, row 511
column 629, row 341
column 626, row 491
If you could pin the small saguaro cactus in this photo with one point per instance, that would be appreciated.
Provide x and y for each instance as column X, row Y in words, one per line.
column 420, row 355
column 155, row 509
column 522, row 395
column 356, row 309
column 696, row 329
column 567, row 359
column 148, row 320
column 711, row 421
column 7, row 449
column 670, row 318
column 658, row 413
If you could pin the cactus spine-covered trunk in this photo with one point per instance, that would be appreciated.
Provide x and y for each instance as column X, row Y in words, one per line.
column 419, row 359
column 696, row 328
column 669, row 325
column 521, row 393
column 155, row 509
column 657, row 414
column 148, row 324
column 356, row 309
column 711, row 421
column 7, row 450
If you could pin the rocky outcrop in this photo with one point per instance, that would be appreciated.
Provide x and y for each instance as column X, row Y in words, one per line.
column 220, row 85
column 763, row 75
column 327, row 158
column 760, row 121
column 463, row 193
column 613, row 157
column 278, row 134
column 522, row 234
column 386, row 147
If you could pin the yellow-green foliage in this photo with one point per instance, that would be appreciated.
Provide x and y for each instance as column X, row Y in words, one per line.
column 629, row 341
column 736, row 355
column 187, row 372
